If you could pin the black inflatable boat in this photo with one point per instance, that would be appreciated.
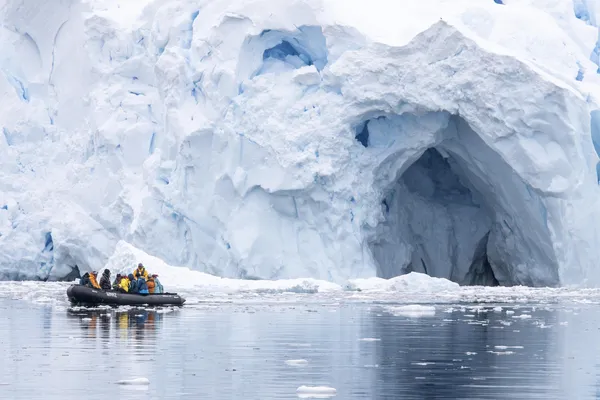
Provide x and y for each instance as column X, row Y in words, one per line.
column 83, row 295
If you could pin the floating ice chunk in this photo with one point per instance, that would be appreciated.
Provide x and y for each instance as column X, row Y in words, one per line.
column 522, row 316
column 134, row 381
column 507, row 347
column 368, row 339
column 412, row 310
column 497, row 309
column 412, row 282
column 316, row 391
column 501, row 353
column 297, row 363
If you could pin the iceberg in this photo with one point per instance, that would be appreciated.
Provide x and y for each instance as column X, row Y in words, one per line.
column 323, row 139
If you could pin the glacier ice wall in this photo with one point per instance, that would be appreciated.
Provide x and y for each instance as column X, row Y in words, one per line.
column 259, row 139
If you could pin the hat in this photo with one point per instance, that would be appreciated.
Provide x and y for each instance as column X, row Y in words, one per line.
column 154, row 275
column 140, row 265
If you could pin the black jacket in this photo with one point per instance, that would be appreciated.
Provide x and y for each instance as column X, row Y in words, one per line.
column 85, row 280
column 105, row 280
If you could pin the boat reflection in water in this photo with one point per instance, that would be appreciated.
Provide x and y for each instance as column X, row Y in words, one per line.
column 136, row 323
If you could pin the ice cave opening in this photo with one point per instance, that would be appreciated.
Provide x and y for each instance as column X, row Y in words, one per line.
column 457, row 210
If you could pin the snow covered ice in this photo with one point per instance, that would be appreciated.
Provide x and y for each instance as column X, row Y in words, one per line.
column 332, row 140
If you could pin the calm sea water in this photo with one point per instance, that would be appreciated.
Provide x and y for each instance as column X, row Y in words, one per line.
column 218, row 350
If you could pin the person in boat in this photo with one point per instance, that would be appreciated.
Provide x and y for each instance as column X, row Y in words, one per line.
column 105, row 280
column 85, row 280
column 151, row 284
column 142, row 286
column 158, row 287
column 116, row 282
column 94, row 280
column 123, row 284
column 133, row 284
column 154, row 285
column 140, row 271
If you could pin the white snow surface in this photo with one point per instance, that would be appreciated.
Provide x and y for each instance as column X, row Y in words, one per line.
column 227, row 137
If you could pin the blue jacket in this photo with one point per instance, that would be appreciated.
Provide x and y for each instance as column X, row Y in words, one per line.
column 133, row 286
column 142, row 287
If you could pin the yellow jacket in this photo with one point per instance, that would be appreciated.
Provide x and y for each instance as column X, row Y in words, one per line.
column 94, row 281
column 140, row 272
column 124, row 284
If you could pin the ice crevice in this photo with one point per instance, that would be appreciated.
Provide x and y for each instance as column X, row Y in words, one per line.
column 261, row 140
column 283, row 50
